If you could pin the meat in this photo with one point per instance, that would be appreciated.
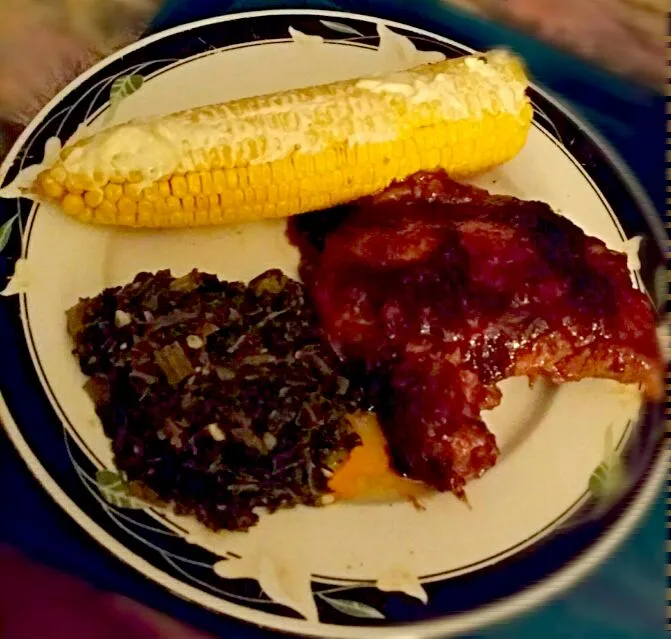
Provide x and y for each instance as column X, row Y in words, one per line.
column 442, row 290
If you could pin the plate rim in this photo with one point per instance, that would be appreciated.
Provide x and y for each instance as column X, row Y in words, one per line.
column 485, row 615
column 530, row 597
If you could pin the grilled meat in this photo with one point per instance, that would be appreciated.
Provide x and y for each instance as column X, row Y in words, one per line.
column 444, row 289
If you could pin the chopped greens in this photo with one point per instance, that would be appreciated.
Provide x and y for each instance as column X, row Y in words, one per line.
column 219, row 397
column 174, row 363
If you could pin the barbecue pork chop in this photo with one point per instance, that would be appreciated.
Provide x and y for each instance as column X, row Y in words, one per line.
column 442, row 290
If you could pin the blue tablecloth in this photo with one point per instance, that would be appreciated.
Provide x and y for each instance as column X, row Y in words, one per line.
column 622, row 599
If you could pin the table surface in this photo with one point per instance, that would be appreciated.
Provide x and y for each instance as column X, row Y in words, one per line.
column 623, row 598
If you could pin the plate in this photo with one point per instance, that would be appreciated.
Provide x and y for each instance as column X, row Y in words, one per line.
column 579, row 463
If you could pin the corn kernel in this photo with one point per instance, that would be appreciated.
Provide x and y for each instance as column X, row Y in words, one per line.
column 127, row 207
column 173, row 204
column 433, row 158
column 113, row 192
column 242, row 177
column 256, row 211
column 231, row 176
column 206, row 182
column 304, row 165
column 213, row 160
column 201, row 160
column 178, row 186
column 127, row 219
column 254, row 175
column 203, row 202
column 249, row 195
column 86, row 216
column 50, row 187
column 266, row 175
column 440, row 136
column 320, row 163
column 151, row 193
column 73, row 204
column 162, row 215
column 132, row 191
column 227, row 197
column 216, row 215
column 216, row 210
column 161, row 207
column 393, row 168
column 284, row 208
column 202, row 212
column 145, row 213
column 106, row 213
column 73, row 186
column 307, row 185
column 238, row 198
column 320, row 200
column 282, row 170
column 331, row 160
column 177, row 218
column 193, row 183
column 81, row 181
column 93, row 198
column 219, row 183
column 227, row 157
column 99, row 177
column 189, row 204
column 58, row 174
column 362, row 154
column 164, row 189
column 282, row 191
column 248, row 151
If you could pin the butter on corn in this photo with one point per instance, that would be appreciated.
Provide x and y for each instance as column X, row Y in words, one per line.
column 295, row 151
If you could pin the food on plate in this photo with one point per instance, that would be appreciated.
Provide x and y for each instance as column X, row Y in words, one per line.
column 218, row 397
column 442, row 290
column 295, row 151
column 367, row 473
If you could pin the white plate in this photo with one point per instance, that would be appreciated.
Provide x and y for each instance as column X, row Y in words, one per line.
column 349, row 568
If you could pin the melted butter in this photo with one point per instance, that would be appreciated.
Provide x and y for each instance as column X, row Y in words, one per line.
column 269, row 128
column 367, row 475
column 490, row 79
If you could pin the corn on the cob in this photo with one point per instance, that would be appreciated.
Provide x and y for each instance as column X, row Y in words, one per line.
column 295, row 151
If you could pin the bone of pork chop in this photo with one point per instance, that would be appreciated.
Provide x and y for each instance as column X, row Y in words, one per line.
column 443, row 290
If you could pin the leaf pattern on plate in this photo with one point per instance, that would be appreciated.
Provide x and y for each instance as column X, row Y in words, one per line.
column 20, row 281
column 352, row 608
column 285, row 583
column 662, row 285
column 115, row 490
column 6, row 231
column 607, row 480
column 400, row 53
column 400, row 579
column 609, row 477
column 547, row 122
column 341, row 28
column 123, row 87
